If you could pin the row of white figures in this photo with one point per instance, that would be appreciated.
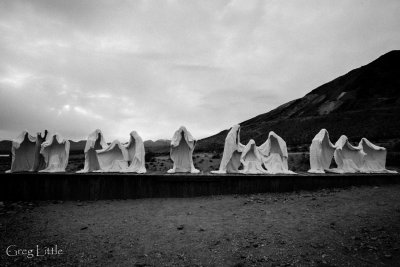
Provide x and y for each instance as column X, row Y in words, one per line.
column 115, row 157
column 365, row 158
column 269, row 158
column 51, row 152
column 48, row 153
column 25, row 152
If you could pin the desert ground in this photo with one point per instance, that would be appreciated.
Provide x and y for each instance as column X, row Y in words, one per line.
column 160, row 163
column 204, row 161
column 358, row 226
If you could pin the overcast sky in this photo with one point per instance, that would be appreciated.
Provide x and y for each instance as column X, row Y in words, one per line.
column 152, row 66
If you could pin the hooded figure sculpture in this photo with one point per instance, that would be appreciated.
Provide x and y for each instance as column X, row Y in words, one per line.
column 374, row 160
column 348, row 158
column 55, row 151
column 182, row 146
column 113, row 158
column 274, row 154
column 251, row 159
column 23, row 153
column 230, row 161
column 321, row 152
column 95, row 141
column 136, row 154
column 39, row 163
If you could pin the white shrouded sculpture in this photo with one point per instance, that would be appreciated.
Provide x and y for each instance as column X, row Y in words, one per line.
column 23, row 153
column 348, row 158
column 182, row 146
column 374, row 160
column 95, row 141
column 230, row 161
column 136, row 154
column 55, row 151
column 251, row 159
column 321, row 152
column 275, row 155
column 39, row 163
column 113, row 158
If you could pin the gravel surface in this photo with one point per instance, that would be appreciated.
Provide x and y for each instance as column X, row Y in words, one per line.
column 359, row 226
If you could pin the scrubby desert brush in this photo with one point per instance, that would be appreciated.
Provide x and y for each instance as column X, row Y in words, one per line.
column 216, row 156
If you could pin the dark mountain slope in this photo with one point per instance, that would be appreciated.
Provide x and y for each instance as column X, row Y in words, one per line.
column 159, row 146
column 362, row 103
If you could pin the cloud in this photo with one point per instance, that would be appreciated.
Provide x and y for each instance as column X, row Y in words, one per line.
column 151, row 66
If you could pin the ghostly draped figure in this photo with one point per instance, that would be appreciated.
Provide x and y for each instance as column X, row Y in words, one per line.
column 39, row 163
column 275, row 155
column 113, row 158
column 182, row 146
column 348, row 158
column 251, row 159
column 230, row 161
column 321, row 152
column 23, row 153
column 136, row 154
column 55, row 151
column 374, row 160
column 95, row 141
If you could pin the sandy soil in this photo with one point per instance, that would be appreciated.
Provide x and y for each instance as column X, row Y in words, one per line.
column 346, row 227
column 205, row 162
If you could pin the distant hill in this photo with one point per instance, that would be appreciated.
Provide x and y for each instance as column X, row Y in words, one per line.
column 365, row 102
column 159, row 146
column 77, row 146
column 362, row 103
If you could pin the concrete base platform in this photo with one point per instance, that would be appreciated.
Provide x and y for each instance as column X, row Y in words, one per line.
column 94, row 186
